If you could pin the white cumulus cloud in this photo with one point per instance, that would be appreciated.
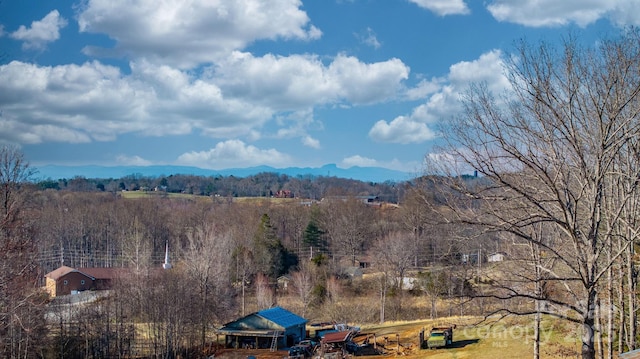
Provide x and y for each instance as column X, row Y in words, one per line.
column 300, row 81
column 443, row 101
column 186, row 33
column 362, row 83
column 70, row 103
column 444, row 7
column 394, row 164
column 626, row 13
column 369, row 38
column 359, row 161
column 553, row 13
column 238, row 97
column 92, row 101
column 403, row 129
column 231, row 94
column 41, row 32
column 132, row 161
column 234, row 154
column 424, row 89
column 488, row 68
column 310, row 142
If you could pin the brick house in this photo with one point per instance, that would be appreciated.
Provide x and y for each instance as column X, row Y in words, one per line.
column 66, row 280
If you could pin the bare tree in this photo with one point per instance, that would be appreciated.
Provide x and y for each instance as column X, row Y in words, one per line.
column 137, row 249
column 348, row 224
column 393, row 256
column 434, row 284
column 207, row 260
column 21, row 301
column 303, row 283
column 383, row 276
column 547, row 153
column 624, row 239
column 240, row 222
column 243, row 271
column 264, row 291
column 15, row 171
column 416, row 216
column 167, row 312
column 290, row 221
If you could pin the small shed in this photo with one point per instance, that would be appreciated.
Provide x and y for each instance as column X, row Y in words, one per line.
column 283, row 282
column 335, row 343
column 496, row 257
column 272, row 328
column 353, row 272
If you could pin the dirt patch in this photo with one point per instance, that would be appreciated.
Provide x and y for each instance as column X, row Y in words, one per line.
column 246, row 353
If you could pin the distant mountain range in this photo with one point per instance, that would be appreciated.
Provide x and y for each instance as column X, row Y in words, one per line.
column 365, row 174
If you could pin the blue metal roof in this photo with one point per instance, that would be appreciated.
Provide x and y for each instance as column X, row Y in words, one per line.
column 630, row 355
column 282, row 317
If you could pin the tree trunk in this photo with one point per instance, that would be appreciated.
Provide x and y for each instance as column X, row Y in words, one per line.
column 243, row 300
column 383, row 297
column 609, row 308
column 536, row 332
column 599, row 343
column 631, row 292
column 621, row 310
column 588, row 324
column 203, row 327
column 588, row 342
column 434, row 310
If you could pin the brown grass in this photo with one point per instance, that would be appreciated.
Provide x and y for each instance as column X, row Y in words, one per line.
column 509, row 338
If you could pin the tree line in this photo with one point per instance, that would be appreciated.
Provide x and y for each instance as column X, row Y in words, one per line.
column 266, row 184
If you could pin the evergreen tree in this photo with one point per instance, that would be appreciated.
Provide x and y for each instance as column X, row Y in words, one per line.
column 312, row 235
column 270, row 255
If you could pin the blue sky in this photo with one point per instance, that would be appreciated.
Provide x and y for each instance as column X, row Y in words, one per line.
column 239, row 83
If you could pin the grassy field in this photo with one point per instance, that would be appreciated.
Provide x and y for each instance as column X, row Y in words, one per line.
column 509, row 338
column 152, row 194
column 249, row 200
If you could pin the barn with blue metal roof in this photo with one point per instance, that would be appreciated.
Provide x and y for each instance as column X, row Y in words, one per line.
column 272, row 328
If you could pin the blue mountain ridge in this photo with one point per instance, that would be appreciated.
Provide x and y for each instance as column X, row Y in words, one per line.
column 365, row 174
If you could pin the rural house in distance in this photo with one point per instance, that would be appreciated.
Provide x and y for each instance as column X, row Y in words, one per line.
column 66, row 280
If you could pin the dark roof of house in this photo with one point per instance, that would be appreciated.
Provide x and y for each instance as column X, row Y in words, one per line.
column 62, row 271
column 93, row 273
column 104, row 273
column 337, row 337
column 282, row 317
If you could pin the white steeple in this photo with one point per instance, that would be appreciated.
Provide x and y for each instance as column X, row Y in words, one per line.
column 166, row 264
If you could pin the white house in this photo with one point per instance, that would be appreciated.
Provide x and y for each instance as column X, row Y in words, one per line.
column 496, row 257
